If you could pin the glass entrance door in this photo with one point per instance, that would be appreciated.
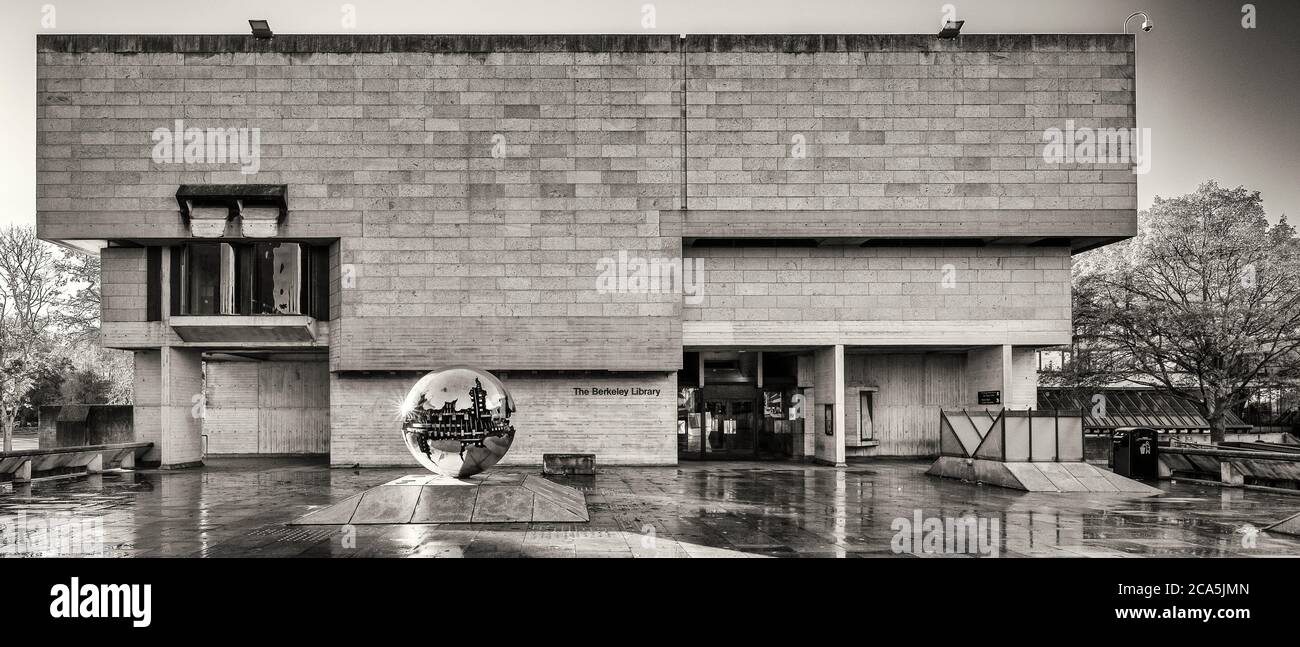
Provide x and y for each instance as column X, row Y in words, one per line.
column 739, row 405
column 729, row 428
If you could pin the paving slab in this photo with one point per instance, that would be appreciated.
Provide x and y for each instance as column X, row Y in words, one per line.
column 503, row 504
column 445, row 504
column 338, row 513
column 240, row 507
column 387, row 504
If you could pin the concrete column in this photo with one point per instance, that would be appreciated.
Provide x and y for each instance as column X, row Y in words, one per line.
column 182, row 387
column 829, row 392
column 1230, row 475
column 1012, row 370
column 987, row 369
column 24, row 473
column 147, row 403
column 168, row 385
column 96, row 465
column 1021, row 389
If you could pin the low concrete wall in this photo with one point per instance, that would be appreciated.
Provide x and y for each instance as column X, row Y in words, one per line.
column 1233, row 467
column 85, row 424
column 631, row 428
column 1096, row 447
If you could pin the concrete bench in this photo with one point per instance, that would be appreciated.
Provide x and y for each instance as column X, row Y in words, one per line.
column 20, row 466
column 569, row 464
column 1232, row 465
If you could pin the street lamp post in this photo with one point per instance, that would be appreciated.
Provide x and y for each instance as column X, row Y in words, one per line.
column 1146, row 21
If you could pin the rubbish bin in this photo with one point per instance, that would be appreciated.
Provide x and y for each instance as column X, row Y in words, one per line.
column 1134, row 453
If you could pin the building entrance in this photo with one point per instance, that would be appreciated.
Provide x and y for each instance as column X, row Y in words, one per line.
column 729, row 412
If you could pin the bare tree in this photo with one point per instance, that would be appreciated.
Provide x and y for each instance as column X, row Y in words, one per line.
column 30, row 286
column 1201, row 304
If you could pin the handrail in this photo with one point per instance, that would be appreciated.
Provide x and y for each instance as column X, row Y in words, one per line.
column 1232, row 453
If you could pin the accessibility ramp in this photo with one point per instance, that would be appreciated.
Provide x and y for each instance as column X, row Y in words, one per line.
column 1029, row 450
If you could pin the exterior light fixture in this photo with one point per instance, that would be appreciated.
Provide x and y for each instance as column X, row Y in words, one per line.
column 261, row 28
column 951, row 29
column 1146, row 21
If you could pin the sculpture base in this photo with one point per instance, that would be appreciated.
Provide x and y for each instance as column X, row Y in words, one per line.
column 498, row 498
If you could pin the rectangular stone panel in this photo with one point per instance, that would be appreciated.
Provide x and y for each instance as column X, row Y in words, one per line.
column 503, row 504
column 387, row 504
column 445, row 504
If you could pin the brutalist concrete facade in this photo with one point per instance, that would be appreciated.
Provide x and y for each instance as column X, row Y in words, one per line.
column 877, row 205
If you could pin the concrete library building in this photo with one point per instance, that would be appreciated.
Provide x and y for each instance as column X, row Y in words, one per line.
column 667, row 248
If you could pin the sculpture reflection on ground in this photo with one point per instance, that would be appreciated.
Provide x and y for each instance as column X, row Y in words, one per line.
column 456, row 421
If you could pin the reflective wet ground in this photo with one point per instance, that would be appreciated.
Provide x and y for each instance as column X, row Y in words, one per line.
column 240, row 508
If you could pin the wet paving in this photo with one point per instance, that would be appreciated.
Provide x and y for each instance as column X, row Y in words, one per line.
column 241, row 508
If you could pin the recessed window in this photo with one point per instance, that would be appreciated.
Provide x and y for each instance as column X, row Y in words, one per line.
column 264, row 278
column 866, row 415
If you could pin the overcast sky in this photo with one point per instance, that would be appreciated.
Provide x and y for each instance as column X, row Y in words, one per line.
column 1221, row 100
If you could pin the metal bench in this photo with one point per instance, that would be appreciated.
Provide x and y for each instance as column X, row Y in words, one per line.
column 20, row 466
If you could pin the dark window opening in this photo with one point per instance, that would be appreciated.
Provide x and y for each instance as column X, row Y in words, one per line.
column 924, row 242
column 202, row 268
column 755, row 242
column 866, row 415
column 153, row 284
column 264, row 278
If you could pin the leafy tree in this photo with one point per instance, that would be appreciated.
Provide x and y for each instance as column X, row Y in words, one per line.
column 97, row 375
column 1202, row 303
column 86, row 386
column 30, row 286
column 47, row 387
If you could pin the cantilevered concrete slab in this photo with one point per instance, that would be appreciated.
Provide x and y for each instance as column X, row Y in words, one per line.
column 506, row 498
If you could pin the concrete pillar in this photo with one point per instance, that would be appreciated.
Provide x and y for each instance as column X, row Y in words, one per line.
column 147, row 402
column 1230, row 475
column 96, row 465
column 1022, row 379
column 828, row 407
column 168, row 405
column 24, row 473
column 806, row 371
column 1010, row 370
column 183, row 408
column 1163, row 472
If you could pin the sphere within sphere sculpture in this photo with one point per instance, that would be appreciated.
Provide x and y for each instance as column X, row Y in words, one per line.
column 456, row 421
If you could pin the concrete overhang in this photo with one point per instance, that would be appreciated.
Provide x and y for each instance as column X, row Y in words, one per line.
column 244, row 329
column 1080, row 229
